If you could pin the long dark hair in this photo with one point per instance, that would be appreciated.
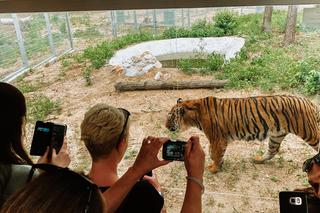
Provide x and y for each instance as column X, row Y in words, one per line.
column 12, row 115
column 56, row 191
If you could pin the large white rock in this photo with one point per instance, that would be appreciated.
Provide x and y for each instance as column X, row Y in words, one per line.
column 140, row 64
column 181, row 48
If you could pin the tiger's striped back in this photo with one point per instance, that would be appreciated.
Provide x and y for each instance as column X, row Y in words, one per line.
column 256, row 117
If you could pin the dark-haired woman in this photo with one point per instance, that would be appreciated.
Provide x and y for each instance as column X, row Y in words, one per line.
column 14, row 160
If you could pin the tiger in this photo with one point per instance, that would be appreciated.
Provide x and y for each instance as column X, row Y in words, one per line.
column 259, row 117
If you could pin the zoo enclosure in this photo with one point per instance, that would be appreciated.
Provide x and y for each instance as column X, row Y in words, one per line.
column 33, row 39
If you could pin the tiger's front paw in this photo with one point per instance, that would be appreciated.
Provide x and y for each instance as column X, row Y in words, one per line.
column 213, row 168
column 258, row 159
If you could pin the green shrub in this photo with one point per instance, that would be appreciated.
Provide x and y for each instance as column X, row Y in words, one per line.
column 304, row 67
column 308, row 76
column 186, row 66
column 226, row 21
column 175, row 32
column 214, row 61
column 312, row 84
column 200, row 29
column 97, row 55
column 201, row 63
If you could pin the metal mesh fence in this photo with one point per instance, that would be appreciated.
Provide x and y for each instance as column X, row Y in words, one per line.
column 9, row 48
column 29, row 39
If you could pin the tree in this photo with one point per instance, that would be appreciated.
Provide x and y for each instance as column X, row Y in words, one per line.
column 266, row 26
column 290, row 32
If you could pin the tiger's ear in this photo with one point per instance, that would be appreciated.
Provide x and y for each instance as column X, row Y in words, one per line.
column 181, row 111
column 179, row 100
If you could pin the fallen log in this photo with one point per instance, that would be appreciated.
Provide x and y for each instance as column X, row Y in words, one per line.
column 169, row 85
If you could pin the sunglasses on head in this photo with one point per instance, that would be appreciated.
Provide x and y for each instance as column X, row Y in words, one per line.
column 307, row 165
column 126, row 114
column 89, row 185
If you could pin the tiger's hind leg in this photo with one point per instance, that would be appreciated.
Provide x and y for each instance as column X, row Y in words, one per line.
column 217, row 150
column 273, row 149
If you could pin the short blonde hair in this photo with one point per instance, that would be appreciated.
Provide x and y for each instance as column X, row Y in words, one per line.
column 101, row 129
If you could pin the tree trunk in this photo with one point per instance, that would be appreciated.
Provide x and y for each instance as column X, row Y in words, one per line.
column 162, row 85
column 290, row 32
column 266, row 26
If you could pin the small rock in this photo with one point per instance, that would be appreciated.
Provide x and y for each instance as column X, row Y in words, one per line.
column 117, row 69
column 157, row 76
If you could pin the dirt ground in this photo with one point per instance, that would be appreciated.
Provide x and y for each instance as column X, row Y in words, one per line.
column 241, row 186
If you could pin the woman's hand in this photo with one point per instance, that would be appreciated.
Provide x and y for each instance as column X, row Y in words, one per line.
column 194, row 158
column 147, row 158
column 62, row 159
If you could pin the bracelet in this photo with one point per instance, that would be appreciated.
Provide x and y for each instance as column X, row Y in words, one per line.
column 197, row 181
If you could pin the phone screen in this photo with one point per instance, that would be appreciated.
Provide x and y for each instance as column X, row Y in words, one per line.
column 173, row 150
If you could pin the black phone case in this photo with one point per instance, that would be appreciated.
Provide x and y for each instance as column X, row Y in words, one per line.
column 293, row 202
column 47, row 134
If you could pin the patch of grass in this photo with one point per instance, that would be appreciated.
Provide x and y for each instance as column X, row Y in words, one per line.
column 26, row 87
column 40, row 107
column 172, row 134
column 280, row 162
column 65, row 62
column 274, row 178
column 201, row 63
column 130, row 154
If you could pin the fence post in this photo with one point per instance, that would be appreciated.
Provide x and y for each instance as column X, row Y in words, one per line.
column 113, row 24
column 69, row 30
column 188, row 14
column 154, row 20
column 53, row 49
column 22, row 49
column 135, row 20
column 182, row 17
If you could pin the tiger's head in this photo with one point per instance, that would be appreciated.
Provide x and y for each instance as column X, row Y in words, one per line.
column 183, row 115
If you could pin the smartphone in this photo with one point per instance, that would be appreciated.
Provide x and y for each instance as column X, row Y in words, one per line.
column 173, row 150
column 293, row 202
column 47, row 134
